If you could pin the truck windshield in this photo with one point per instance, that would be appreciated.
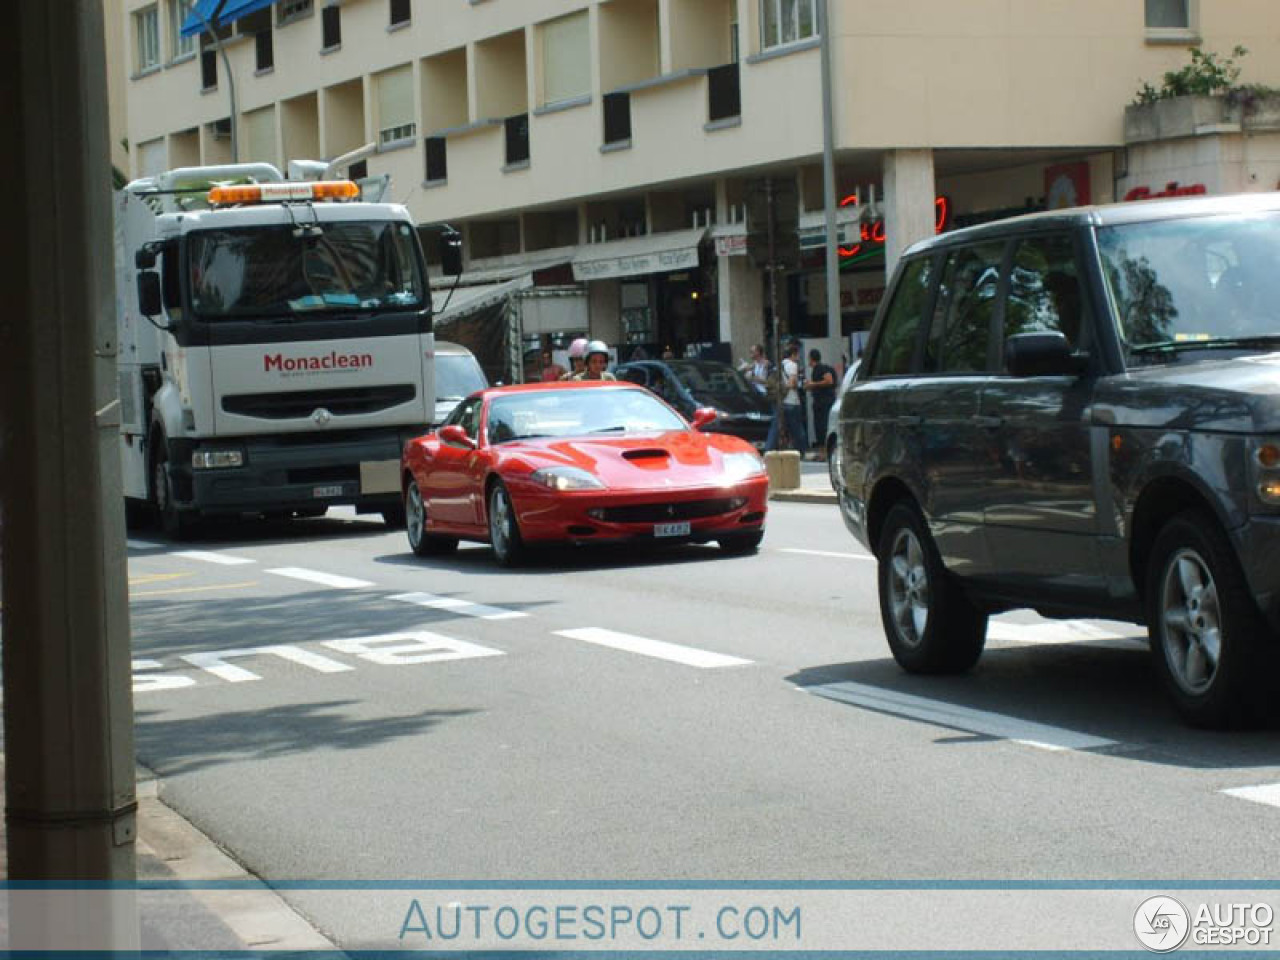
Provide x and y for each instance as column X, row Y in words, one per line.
column 271, row 271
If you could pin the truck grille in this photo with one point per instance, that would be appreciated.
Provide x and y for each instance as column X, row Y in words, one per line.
column 301, row 404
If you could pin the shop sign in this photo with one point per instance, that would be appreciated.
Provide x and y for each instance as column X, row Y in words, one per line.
column 1171, row 189
column 661, row 262
column 734, row 245
column 1066, row 185
column 872, row 232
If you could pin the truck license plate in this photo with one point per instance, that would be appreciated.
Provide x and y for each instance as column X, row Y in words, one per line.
column 671, row 529
column 319, row 492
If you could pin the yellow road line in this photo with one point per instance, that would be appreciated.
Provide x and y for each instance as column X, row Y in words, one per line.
column 156, row 577
column 221, row 586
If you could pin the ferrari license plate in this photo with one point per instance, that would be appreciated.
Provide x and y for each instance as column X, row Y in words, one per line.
column 335, row 491
column 671, row 529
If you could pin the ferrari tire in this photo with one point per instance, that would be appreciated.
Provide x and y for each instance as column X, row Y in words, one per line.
column 739, row 543
column 932, row 627
column 422, row 543
column 504, row 529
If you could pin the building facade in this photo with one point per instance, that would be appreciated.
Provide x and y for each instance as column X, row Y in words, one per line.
column 610, row 162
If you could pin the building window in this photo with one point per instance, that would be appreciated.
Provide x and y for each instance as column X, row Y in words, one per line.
column 1168, row 14
column 290, row 10
column 617, row 118
column 437, row 160
column 146, row 29
column 395, row 106
column 517, row 130
column 724, row 94
column 331, row 27
column 179, row 46
column 400, row 12
column 566, row 58
column 208, row 68
column 787, row 21
column 266, row 58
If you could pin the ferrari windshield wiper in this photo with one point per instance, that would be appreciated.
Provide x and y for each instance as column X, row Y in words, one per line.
column 619, row 427
column 1209, row 343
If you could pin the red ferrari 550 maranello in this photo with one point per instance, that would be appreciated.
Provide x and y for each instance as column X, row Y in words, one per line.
column 578, row 463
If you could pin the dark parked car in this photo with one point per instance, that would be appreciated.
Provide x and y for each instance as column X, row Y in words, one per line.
column 1078, row 412
column 741, row 409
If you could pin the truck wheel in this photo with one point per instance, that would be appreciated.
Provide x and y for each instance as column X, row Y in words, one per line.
column 504, row 530
column 177, row 524
column 1207, row 634
column 423, row 544
column 931, row 625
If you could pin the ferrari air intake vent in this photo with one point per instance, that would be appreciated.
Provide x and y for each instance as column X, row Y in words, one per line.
column 651, row 453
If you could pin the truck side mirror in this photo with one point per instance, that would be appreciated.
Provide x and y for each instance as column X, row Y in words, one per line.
column 451, row 253
column 149, row 293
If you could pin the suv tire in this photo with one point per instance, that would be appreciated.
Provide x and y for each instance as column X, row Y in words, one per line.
column 1207, row 635
column 931, row 625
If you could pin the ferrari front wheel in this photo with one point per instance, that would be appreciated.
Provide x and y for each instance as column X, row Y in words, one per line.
column 423, row 544
column 504, row 530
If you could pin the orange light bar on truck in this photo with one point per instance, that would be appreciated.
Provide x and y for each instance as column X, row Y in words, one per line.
column 277, row 192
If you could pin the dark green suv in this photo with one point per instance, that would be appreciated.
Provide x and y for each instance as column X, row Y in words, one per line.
column 1078, row 412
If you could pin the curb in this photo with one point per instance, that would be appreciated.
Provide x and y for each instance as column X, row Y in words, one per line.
column 803, row 495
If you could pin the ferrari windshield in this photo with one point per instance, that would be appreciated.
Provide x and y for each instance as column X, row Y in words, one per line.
column 1194, row 282
column 284, row 271
column 578, row 413
column 702, row 376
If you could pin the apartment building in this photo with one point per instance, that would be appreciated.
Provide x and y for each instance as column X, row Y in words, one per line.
column 606, row 159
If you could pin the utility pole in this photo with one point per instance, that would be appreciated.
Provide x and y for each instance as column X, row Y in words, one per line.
column 226, row 68
column 68, row 708
column 829, row 174
column 772, row 267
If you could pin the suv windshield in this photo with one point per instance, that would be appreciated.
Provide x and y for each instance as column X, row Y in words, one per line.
column 1195, row 282
column 268, row 271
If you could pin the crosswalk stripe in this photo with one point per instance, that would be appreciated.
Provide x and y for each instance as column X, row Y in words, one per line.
column 208, row 556
column 957, row 717
column 324, row 579
column 1268, row 793
column 690, row 656
column 457, row 605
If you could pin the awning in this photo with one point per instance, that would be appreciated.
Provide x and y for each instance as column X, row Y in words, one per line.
column 467, row 300
column 503, row 272
column 655, row 253
column 219, row 12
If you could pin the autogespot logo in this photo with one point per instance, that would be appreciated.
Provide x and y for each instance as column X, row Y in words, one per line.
column 1162, row 924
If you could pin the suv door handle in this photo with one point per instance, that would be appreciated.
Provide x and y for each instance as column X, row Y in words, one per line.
column 990, row 423
column 912, row 421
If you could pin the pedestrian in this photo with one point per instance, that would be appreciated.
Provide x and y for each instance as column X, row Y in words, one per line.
column 550, row 369
column 756, row 368
column 821, row 386
column 577, row 359
column 792, row 410
column 597, row 360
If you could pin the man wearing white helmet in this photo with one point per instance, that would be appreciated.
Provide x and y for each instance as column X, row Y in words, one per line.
column 577, row 358
column 597, row 360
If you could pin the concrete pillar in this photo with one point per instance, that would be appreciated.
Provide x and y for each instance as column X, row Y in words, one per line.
column 604, row 309
column 68, row 706
column 741, row 299
column 908, row 201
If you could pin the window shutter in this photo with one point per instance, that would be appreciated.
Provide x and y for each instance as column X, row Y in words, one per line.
column 259, row 128
column 566, row 58
column 395, row 101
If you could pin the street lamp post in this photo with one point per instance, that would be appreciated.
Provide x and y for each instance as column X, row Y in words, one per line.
column 226, row 68
column 829, row 174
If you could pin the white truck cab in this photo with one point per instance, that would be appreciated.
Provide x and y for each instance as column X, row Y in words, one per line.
column 276, row 345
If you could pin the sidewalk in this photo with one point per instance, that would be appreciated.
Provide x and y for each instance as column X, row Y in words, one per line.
column 815, row 486
column 241, row 915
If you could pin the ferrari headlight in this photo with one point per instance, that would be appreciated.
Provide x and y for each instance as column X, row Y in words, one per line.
column 566, row 478
column 742, row 466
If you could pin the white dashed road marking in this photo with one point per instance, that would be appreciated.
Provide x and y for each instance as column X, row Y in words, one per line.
column 690, row 656
column 828, row 553
column 458, row 605
column 207, row 556
column 960, row 718
column 1268, row 793
column 324, row 579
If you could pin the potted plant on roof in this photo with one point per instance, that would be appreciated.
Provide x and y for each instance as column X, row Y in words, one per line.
column 1197, row 97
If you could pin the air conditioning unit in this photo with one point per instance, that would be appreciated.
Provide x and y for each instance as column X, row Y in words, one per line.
column 220, row 129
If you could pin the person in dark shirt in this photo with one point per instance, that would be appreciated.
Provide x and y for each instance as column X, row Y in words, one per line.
column 821, row 386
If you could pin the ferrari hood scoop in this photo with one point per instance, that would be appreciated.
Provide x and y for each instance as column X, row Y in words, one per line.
column 647, row 453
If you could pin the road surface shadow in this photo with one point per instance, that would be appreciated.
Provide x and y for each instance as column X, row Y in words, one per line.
column 1112, row 694
column 541, row 561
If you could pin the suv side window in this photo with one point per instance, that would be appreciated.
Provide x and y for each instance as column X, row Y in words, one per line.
column 1044, row 289
column 960, row 331
column 900, row 331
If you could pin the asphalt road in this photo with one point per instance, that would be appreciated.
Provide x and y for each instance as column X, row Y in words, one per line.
column 328, row 707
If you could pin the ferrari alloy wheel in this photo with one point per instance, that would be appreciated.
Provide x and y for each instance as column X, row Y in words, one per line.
column 423, row 544
column 504, row 530
column 930, row 624
column 1207, row 637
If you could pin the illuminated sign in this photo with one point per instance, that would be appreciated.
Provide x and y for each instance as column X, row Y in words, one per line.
column 1171, row 189
column 872, row 232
